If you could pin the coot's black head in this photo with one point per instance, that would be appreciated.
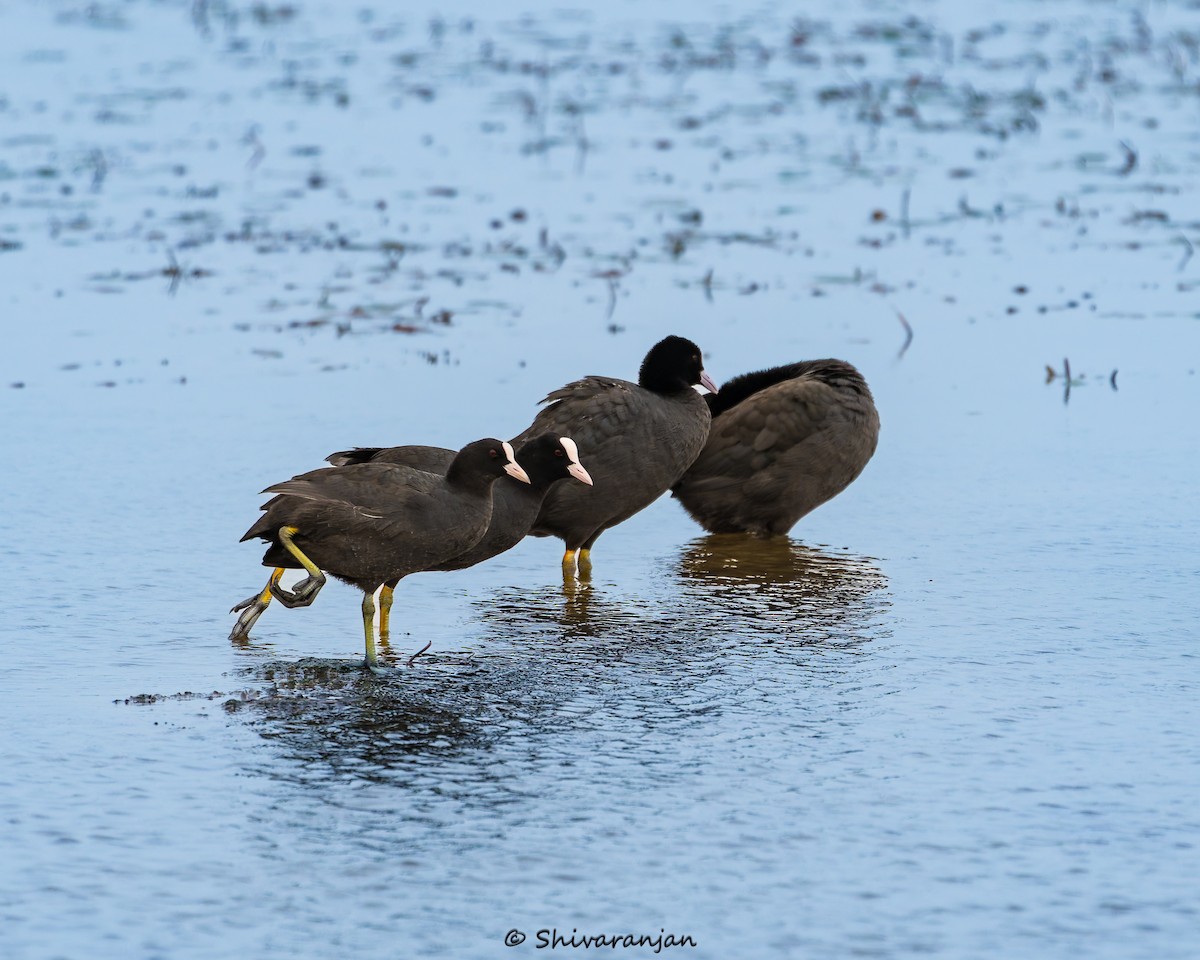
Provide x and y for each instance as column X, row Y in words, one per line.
column 548, row 458
column 486, row 458
column 674, row 364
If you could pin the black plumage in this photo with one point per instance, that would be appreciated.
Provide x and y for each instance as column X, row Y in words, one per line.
column 783, row 441
column 547, row 459
column 638, row 439
column 372, row 524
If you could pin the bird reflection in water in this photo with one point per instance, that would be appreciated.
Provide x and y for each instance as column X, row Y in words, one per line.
column 778, row 586
column 341, row 721
column 724, row 587
column 556, row 616
column 731, row 610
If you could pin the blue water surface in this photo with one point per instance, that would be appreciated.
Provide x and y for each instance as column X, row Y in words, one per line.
column 954, row 715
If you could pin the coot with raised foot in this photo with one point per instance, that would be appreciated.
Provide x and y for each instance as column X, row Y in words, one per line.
column 547, row 459
column 638, row 439
column 783, row 441
column 372, row 524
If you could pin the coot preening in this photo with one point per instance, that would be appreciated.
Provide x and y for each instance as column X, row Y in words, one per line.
column 372, row 524
column 546, row 459
column 638, row 438
column 783, row 441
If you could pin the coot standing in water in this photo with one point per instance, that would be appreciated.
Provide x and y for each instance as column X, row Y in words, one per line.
column 638, row 439
column 374, row 523
column 547, row 459
column 783, row 441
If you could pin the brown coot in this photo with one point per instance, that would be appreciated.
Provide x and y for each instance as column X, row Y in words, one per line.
column 783, row 441
column 372, row 524
column 639, row 438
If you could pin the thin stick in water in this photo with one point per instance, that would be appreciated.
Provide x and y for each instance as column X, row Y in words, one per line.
column 908, row 334
column 419, row 652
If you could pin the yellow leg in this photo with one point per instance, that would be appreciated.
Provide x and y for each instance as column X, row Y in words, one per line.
column 368, row 614
column 585, row 563
column 568, row 565
column 385, row 613
column 252, row 608
column 304, row 592
column 286, row 537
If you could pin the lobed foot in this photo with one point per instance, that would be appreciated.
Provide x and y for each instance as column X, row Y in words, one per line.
column 300, row 595
column 252, row 608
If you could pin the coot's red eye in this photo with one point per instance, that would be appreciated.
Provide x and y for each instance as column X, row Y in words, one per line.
column 493, row 453
column 558, row 452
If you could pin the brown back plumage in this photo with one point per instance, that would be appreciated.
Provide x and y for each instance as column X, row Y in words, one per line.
column 783, row 441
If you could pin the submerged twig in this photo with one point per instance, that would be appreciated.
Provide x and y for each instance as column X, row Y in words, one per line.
column 174, row 271
column 419, row 652
column 1131, row 160
column 251, row 140
column 1188, row 250
column 99, row 164
column 1070, row 381
column 613, row 279
column 908, row 335
column 581, row 144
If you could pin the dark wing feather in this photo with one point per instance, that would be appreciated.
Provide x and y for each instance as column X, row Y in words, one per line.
column 372, row 486
column 781, row 452
column 635, row 443
column 431, row 459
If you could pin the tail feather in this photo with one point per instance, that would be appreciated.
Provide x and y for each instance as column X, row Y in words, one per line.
column 346, row 458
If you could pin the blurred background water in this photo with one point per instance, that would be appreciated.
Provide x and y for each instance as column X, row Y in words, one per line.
column 954, row 715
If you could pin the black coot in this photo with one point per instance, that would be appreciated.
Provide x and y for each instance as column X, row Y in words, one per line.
column 374, row 523
column 546, row 459
column 638, row 438
column 515, row 504
column 783, row 441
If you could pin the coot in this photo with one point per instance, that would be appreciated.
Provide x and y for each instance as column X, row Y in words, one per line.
column 638, row 438
column 546, row 459
column 372, row 524
column 783, row 441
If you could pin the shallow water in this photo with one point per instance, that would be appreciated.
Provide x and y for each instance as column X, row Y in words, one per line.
column 954, row 715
